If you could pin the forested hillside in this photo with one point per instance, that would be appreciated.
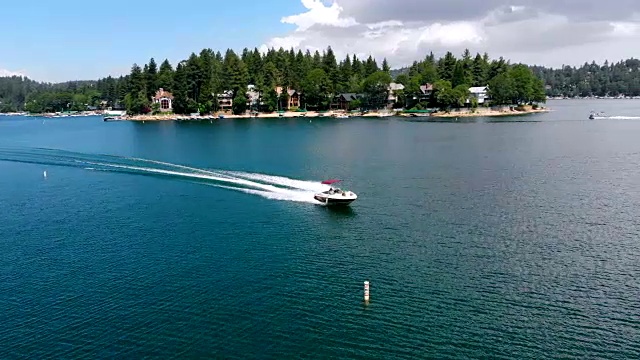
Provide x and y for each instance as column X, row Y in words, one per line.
column 609, row 79
column 319, row 76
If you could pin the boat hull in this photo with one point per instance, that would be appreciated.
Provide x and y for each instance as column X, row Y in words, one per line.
column 334, row 201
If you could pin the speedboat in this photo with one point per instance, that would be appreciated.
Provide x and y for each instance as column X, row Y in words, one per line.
column 335, row 196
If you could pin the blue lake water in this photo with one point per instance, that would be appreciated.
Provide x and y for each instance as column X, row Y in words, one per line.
column 485, row 238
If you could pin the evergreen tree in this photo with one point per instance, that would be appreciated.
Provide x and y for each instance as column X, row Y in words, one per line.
column 385, row 66
column 181, row 89
column 240, row 103
column 151, row 78
column 446, row 67
column 479, row 71
column 165, row 76
column 235, row 74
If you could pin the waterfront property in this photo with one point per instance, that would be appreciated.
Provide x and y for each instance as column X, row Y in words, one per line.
column 293, row 97
column 164, row 99
column 426, row 91
column 225, row 100
column 344, row 101
column 480, row 93
column 253, row 97
column 393, row 90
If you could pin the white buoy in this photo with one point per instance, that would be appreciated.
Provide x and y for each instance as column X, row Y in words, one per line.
column 44, row 174
column 366, row 291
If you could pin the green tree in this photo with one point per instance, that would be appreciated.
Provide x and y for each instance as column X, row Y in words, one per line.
column 375, row 88
column 316, row 88
column 538, row 94
column 151, row 78
column 501, row 89
column 235, row 74
column 446, row 66
column 523, row 83
column 165, row 76
column 479, row 68
column 180, row 93
column 385, row 66
column 270, row 100
column 240, row 103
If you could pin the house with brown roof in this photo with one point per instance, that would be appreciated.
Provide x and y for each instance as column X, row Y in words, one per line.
column 225, row 100
column 165, row 99
column 292, row 95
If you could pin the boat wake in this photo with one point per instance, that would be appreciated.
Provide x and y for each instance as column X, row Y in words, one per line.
column 624, row 117
column 267, row 186
column 600, row 117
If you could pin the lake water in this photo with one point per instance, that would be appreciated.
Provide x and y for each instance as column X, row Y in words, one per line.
column 508, row 238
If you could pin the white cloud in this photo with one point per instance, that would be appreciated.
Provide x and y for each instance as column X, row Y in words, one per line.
column 319, row 14
column 625, row 28
column 541, row 31
column 7, row 73
column 453, row 34
column 286, row 42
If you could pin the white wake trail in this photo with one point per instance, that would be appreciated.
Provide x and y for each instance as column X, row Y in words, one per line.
column 624, row 117
column 282, row 181
column 202, row 171
column 264, row 185
column 282, row 194
column 220, row 178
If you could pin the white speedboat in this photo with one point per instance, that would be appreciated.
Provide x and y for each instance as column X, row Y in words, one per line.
column 335, row 196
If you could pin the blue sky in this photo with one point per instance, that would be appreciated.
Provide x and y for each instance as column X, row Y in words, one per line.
column 57, row 40
column 73, row 39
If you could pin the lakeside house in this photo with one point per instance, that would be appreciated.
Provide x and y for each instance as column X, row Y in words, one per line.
column 343, row 101
column 426, row 91
column 164, row 99
column 480, row 93
column 225, row 100
column 253, row 97
column 393, row 93
column 292, row 95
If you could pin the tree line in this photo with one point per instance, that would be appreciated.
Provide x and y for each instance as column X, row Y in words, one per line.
column 608, row 79
column 197, row 81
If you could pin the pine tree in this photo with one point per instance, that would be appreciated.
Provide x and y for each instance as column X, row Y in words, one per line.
column 385, row 66
column 165, row 76
column 151, row 78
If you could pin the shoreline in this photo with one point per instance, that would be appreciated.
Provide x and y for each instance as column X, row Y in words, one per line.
column 490, row 113
column 461, row 113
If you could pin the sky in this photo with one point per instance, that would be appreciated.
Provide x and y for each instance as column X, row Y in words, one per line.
column 73, row 39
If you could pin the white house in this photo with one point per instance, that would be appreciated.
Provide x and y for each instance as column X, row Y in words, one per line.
column 253, row 97
column 479, row 93
column 393, row 89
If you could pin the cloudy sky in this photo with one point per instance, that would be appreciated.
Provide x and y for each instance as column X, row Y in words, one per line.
column 62, row 43
column 547, row 32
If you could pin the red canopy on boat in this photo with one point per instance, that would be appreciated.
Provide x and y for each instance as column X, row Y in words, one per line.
column 329, row 182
